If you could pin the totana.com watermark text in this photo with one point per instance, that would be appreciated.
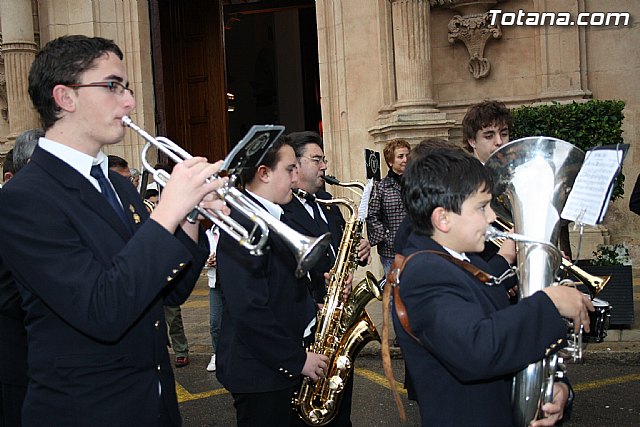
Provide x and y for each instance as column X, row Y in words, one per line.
column 599, row 19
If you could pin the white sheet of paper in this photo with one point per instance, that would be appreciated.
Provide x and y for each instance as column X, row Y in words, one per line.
column 589, row 197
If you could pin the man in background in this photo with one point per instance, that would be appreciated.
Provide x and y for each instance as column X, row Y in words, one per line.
column 13, row 350
column 119, row 165
column 7, row 167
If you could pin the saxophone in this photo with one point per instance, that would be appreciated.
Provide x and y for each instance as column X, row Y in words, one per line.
column 344, row 328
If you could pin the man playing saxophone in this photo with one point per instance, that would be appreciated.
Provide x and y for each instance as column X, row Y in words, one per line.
column 465, row 341
column 267, row 311
column 311, row 218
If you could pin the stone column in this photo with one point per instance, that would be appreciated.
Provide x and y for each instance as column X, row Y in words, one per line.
column 18, row 50
column 412, row 53
column 413, row 115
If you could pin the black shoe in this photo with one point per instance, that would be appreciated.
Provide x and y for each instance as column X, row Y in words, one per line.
column 182, row 361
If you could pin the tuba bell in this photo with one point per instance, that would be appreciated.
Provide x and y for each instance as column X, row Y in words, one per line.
column 535, row 174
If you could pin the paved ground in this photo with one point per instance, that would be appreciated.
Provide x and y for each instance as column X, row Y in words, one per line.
column 620, row 343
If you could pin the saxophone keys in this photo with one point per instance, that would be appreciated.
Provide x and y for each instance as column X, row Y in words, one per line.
column 335, row 383
column 343, row 363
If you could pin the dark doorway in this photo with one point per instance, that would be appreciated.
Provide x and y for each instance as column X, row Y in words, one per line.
column 189, row 73
column 272, row 65
column 221, row 66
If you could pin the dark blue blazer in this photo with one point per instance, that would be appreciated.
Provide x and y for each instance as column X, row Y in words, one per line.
column 265, row 313
column 297, row 217
column 472, row 340
column 13, row 345
column 93, row 294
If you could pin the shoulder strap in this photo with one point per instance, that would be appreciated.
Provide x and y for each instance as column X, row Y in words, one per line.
column 394, row 281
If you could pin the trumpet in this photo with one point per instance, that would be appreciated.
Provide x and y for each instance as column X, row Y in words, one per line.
column 307, row 250
column 594, row 284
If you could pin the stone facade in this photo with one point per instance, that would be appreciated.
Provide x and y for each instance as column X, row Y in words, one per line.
column 392, row 68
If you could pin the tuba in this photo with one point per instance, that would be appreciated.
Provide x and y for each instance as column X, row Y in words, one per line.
column 344, row 328
column 535, row 174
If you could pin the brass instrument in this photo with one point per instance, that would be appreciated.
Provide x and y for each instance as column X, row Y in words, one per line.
column 350, row 185
column 594, row 284
column 344, row 328
column 536, row 175
column 307, row 250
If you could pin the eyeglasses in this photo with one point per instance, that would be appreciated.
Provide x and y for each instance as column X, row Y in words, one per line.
column 114, row 87
column 318, row 160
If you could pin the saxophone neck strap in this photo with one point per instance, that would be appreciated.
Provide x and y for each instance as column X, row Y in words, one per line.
column 400, row 261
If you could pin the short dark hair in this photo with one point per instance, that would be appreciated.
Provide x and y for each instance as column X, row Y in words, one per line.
column 390, row 147
column 443, row 177
column 481, row 115
column 150, row 193
column 117, row 162
column 7, row 165
column 270, row 159
column 429, row 144
column 23, row 149
column 299, row 140
column 62, row 61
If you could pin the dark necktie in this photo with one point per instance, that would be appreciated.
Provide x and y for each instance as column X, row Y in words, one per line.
column 322, row 225
column 108, row 193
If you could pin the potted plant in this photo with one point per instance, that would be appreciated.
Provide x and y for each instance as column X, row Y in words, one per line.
column 614, row 261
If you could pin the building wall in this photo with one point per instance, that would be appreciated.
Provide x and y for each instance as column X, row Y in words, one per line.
column 358, row 68
column 528, row 65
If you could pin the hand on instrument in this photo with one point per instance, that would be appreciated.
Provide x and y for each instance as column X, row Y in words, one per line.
column 508, row 250
column 211, row 261
column 315, row 367
column 364, row 251
column 572, row 304
column 187, row 188
column 348, row 284
column 554, row 411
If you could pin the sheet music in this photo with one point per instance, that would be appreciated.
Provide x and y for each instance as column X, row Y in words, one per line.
column 589, row 198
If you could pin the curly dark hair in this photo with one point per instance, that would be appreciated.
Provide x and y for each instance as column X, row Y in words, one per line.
column 481, row 115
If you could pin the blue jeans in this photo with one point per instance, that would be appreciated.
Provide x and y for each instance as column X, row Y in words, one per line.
column 215, row 315
column 386, row 264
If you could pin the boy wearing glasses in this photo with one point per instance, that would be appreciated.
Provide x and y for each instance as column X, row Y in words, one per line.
column 85, row 253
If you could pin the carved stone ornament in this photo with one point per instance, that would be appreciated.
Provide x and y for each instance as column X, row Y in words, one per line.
column 474, row 30
column 473, row 27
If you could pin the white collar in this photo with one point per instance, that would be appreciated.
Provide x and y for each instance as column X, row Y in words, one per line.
column 79, row 161
column 274, row 209
column 459, row 255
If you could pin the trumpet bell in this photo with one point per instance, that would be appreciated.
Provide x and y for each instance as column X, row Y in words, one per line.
column 309, row 252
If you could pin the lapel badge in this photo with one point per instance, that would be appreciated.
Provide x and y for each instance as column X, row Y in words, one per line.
column 136, row 217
